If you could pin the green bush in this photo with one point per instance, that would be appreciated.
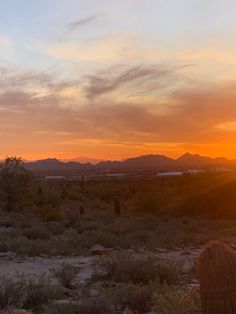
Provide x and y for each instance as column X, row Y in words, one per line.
column 38, row 289
column 86, row 307
column 12, row 293
column 137, row 298
column 65, row 274
column 37, row 232
column 175, row 300
column 137, row 270
column 148, row 201
column 26, row 291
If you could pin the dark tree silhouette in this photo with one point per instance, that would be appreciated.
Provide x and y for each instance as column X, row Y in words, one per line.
column 14, row 183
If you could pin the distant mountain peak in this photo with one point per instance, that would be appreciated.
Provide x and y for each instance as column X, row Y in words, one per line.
column 188, row 155
column 145, row 162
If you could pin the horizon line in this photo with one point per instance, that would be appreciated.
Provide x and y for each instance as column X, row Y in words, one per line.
column 117, row 160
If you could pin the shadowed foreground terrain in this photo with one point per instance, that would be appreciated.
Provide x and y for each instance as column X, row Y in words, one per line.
column 118, row 246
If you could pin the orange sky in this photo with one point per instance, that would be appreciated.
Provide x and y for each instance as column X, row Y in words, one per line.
column 111, row 80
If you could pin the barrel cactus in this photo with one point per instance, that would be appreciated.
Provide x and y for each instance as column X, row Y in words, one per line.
column 217, row 277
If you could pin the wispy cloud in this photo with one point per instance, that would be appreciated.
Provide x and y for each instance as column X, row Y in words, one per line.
column 75, row 25
column 78, row 23
column 142, row 78
column 193, row 116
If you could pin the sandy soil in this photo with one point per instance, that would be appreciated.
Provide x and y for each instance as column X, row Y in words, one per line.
column 39, row 265
column 10, row 264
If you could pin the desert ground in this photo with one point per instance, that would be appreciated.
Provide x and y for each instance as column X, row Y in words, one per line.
column 116, row 246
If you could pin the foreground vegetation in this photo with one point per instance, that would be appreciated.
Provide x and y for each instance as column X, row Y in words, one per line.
column 158, row 286
column 132, row 220
column 30, row 236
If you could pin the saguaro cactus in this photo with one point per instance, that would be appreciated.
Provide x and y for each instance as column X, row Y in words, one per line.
column 117, row 206
column 82, row 184
column 217, row 276
column 40, row 191
column 81, row 210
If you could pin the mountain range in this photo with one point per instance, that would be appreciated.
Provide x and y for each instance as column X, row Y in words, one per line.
column 147, row 162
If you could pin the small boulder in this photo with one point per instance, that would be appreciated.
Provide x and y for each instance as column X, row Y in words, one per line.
column 7, row 255
column 19, row 312
column 61, row 302
column 98, row 249
column 127, row 311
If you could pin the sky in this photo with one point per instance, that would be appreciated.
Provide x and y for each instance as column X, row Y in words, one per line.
column 109, row 79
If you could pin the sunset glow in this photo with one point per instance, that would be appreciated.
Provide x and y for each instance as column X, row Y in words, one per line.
column 115, row 79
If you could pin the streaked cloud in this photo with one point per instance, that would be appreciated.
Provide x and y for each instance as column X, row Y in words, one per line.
column 227, row 126
column 190, row 118
column 80, row 22
column 138, row 79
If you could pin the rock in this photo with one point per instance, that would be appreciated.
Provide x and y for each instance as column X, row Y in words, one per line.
column 127, row 311
column 8, row 255
column 42, row 255
column 94, row 292
column 19, row 260
column 233, row 246
column 98, row 249
column 59, row 302
column 69, row 292
column 20, row 312
column 185, row 252
column 161, row 250
column 6, row 229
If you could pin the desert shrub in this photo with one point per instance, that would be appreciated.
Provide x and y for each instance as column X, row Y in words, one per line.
column 37, row 232
column 26, row 291
column 65, row 274
column 3, row 246
column 26, row 247
column 25, row 224
column 74, row 196
column 73, row 192
column 47, row 202
column 48, row 212
column 131, row 269
column 15, row 183
column 46, row 195
column 56, row 228
column 88, row 226
column 37, row 289
column 61, row 245
column 11, row 233
column 12, row 293
column 141, row 236
column 106, row 239
column 147, row 201
column 210, row 195
column 7, row 221
column 71, row 215
column 137, row 298
column 175, row 300
column 98, row 306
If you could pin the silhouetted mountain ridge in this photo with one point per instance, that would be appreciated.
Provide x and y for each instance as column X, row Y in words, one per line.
column 55, row 164
column 157, row 162
column 146, row 161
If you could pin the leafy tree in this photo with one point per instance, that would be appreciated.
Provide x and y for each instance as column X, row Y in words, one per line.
column 14, row 183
